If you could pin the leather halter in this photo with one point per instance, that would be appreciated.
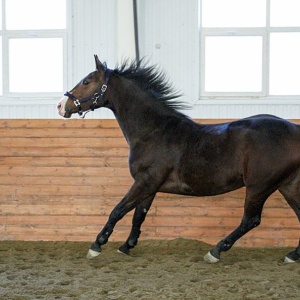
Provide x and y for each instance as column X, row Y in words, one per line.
column 95, row 97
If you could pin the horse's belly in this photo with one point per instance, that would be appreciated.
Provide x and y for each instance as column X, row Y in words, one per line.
column 217, row 185
column 201, row 188
column 177, row 188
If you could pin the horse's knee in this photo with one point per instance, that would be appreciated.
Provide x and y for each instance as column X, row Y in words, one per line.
column 250, row 223
column 256, row 221
column 115, row 215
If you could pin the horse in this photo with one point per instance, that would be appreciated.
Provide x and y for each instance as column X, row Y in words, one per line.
column 171, row 153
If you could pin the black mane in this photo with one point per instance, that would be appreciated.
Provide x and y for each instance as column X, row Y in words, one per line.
column 152, row 80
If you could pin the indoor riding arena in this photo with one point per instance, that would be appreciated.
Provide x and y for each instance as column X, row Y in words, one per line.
column 220, row 161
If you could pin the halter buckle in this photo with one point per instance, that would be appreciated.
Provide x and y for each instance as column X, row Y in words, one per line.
column 77, row 102
column 97, row 96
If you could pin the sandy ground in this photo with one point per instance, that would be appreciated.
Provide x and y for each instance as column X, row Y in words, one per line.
column 154, row 270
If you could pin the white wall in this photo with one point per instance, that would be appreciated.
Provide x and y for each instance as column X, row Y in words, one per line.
column 169, row 37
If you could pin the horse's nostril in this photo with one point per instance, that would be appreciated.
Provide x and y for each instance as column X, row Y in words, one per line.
column 58, row 106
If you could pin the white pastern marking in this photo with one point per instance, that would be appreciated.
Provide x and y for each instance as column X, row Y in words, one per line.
column 210, row 259
column 92, row 254
column 288, row 260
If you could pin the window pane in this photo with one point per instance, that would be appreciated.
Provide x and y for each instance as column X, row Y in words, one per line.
column 285, row 63
column 233, row 13
column 35, row 14
column 285, row 13
column 233, row 64
column 36, row 65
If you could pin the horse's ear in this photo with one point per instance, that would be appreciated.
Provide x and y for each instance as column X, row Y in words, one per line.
column 99, row 65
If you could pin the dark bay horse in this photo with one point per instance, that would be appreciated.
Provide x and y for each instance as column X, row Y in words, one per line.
column 170, row 153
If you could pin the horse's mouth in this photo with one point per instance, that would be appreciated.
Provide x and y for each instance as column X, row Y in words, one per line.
column 63, row 109
column 67, row 115
column 64, row 113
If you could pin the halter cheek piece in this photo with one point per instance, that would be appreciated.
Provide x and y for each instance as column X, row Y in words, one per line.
column 97, row 96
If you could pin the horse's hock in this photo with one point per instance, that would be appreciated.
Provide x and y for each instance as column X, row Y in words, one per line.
column 61, row 179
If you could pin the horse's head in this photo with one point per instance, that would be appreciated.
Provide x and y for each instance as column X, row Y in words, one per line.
column 88, row 94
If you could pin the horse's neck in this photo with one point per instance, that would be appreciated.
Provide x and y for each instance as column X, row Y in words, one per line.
column 138, row 116
column 137, row 121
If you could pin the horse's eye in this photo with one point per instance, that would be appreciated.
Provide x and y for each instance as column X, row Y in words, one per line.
column 85, row 82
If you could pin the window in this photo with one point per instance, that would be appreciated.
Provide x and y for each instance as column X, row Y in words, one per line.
column 33, row 47
column 250, row 48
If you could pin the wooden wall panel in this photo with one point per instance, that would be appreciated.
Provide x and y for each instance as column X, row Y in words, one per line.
column 59, row 180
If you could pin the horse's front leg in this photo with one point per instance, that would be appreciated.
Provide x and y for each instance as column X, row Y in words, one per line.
column 137, row 194
column 137, row 221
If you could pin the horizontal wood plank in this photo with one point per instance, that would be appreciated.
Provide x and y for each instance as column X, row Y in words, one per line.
column 65, row 162
column 75, row 142
column 60, row 179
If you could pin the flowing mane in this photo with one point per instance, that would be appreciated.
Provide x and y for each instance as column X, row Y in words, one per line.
column 152, row 80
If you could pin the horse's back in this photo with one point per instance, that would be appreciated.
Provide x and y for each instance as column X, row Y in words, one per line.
column 268, row 130
column 271, row 148
column 226, row 156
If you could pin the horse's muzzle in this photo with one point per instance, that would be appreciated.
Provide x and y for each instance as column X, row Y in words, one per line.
column 61, row 107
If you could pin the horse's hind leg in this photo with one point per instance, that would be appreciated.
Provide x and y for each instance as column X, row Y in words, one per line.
column 137, row 221
column 292, row 195
column 252, row 215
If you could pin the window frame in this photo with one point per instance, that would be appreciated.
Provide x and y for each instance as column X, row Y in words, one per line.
column 27, row 34
column 265, row 33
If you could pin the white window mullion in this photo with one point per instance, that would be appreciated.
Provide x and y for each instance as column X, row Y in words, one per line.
column 3, row 52
column 68, row 46
column 5, row 65
column 266, row 66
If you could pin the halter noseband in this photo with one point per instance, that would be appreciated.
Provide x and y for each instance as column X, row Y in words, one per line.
column 97, row 96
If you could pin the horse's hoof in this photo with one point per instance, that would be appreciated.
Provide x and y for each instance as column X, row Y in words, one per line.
column 288, row 260
column 209, row 258
column 92, row 254
column 125, row 249
column 125, row 253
